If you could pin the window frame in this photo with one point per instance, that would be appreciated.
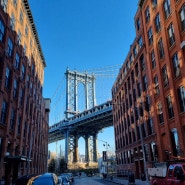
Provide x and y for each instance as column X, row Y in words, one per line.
column 171, row 34
column 167, row 8
column 2, row 30
column 161, row 48
column 182, row 17
column 157, row 23
column 170, row 107
column 176, row 65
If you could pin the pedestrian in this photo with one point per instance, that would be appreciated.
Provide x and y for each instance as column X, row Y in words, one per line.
column 79, row 174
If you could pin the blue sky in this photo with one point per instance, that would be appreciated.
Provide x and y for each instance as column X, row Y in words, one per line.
column 82, row 35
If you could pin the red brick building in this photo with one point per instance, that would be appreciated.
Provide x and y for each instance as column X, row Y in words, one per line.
column 149, row 93
column 24, row 113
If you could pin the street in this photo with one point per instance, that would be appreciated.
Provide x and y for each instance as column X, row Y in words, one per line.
column 84, row 180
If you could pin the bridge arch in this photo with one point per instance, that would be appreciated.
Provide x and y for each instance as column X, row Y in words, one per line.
column 73, row 78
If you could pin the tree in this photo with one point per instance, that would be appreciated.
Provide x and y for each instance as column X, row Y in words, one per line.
column 62, row 165
column 52, row 166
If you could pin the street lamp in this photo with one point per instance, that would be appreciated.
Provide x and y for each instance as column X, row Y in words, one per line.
column 106, row 145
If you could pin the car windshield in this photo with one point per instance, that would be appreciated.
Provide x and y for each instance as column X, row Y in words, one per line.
column 43, row 181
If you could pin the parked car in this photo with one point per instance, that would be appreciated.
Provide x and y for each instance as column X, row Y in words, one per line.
column 23, row 180
column 46, row 179
column 167, row 173
column 64, row 180
column 69, row 175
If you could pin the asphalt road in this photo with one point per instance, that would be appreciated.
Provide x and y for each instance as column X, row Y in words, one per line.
column 84, row 180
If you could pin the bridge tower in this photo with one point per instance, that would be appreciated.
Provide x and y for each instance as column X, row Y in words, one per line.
column 73, row 79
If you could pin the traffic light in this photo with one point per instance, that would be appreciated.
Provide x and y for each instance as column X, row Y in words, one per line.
column 104, row 156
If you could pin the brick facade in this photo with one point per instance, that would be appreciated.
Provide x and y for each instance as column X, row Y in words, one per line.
column 149, row 93
column 24, row 113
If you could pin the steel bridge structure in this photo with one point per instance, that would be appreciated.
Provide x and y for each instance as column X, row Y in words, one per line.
column 86, row 124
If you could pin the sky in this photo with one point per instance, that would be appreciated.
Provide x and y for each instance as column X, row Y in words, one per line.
column 83, row 35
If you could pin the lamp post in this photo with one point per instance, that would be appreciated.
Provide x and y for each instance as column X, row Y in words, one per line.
column 106, row 145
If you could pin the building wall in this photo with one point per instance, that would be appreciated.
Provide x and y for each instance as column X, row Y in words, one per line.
column 24, row 113
column 161, row 123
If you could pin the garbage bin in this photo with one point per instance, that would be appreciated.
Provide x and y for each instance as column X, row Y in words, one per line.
column 131, row 178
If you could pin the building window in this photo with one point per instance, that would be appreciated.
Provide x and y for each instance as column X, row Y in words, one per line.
column 23, row 72
column 147, row 104
column 10, row 47
column 145, row 83
column 161, row 48
column 1, row 147
column 17, row 61
column 170, row 107
column 167, row 8
column 15, row 88
column 160, row 113
column 136, row 70
column 26, row 30
column 152, row 56
column 135, row 51
column 154, row 3
column 31, row 88
column 25, row 48
column 182, row 17
column 176, row 65
column 30, row 43
column 171, row 35
column 21, row 17
column 143, row 129
column 134, row 94
column 181, row 96
column 12, row 119
column 21, row 97
column 139, row 90
column 19, row 37
column 4, row 4
column 154, row 151
column 157, row 23
column 156, row 85
column 147, row 14
column 1, row 30
column 7, row 78
column 175, row 141
column 142, row 62
column 136, row 113
column 19, row 125
column 4, row 112
column 15, row 3
column 132, row 77
column 138, row 24
column 165, row 76
column 27, row 81
column 140, row 42
column 150, row 126
column 150, row 36
column 12, row 22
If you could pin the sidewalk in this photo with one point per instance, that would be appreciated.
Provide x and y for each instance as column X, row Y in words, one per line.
column 123, row 181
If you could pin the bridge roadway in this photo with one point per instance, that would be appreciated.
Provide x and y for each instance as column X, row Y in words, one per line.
column 89, row 121
column 85, row 124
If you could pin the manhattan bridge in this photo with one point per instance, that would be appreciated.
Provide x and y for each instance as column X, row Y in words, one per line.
column 87, row 123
